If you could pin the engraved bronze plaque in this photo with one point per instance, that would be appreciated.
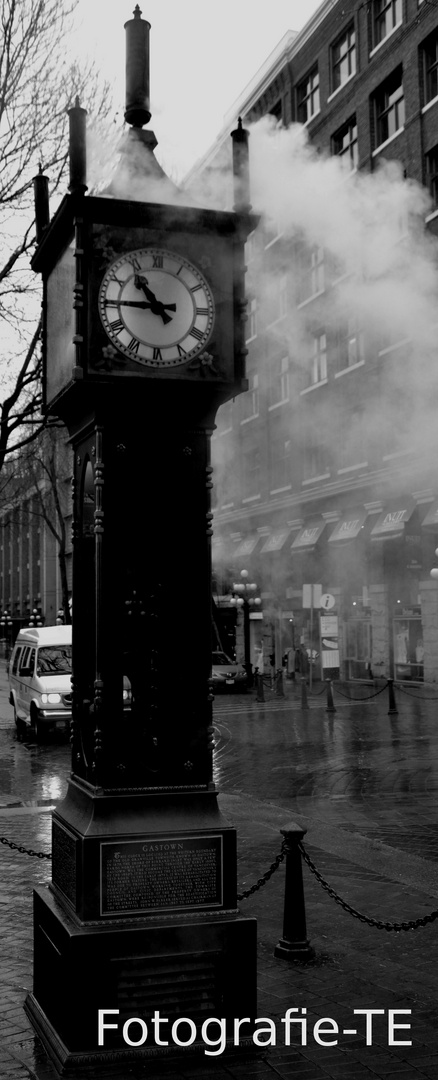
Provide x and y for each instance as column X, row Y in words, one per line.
column 164, row 874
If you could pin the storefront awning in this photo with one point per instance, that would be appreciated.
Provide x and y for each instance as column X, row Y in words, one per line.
column 246, row 546
column 308, row 536
column 431, row 518
column 348, row 527
column 390, row 524
column 275, row 541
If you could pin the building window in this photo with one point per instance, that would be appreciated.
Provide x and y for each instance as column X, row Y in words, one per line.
column 314, row 458
column 280, row 381
column 317, row 367
column 432, row 173
column 250, row 400
column 277, row 111
column 389, row 107
column 429, row 53
column 252, row 319
column 350, row 347
column 311, row 273
column 282, row 296
column 280, row 454
column 345, row 145
column 308, row 97
column 352, row 445
column 387, row 15
column 343, row 58
column 251, row 472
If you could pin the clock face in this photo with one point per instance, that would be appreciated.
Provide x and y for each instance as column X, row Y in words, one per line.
column 156, row 307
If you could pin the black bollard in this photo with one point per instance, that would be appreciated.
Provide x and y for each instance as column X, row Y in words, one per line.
column 294, row 944
column 304, row 702
column 260, row 695
column 330, row 702
column 393, row 710
column 279, row 688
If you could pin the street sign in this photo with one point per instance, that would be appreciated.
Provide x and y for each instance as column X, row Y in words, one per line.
column 327, row 601
column 312, row 596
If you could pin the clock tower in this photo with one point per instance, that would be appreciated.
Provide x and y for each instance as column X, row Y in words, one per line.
column 144, row 313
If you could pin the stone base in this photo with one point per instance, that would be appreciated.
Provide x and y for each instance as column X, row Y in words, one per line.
column 294, row 950
column 195, row 966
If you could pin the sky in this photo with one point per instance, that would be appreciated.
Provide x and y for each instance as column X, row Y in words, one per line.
column 202, row 57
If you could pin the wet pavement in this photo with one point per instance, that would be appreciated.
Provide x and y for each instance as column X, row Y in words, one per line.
column 364, row 785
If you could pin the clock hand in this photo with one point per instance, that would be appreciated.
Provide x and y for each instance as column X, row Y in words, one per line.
column 128, row 303
column 156, row 306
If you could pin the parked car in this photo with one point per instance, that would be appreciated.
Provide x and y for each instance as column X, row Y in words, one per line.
column 226, row 674
column 40, row 679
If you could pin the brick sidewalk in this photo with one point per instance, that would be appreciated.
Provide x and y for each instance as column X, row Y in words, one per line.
column 356, row 966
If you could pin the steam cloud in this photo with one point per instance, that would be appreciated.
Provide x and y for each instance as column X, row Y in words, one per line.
column 380, row 270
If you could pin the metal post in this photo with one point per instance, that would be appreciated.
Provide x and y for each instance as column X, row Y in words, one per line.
column 393, row 710
column 304, row 702
column 294, row 944
column 260, row 696
column 279, row 688
column 330, row 702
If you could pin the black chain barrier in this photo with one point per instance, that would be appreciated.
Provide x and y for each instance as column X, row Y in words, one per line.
column 25, row 851
column 412, row 925
column 407, row 691
column 262, row 880
column 365, row 698
column 311, row 693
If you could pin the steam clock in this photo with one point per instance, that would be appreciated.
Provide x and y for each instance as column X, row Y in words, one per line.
column 143, row 341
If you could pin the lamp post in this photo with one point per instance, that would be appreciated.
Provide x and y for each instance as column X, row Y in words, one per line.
column 6, row 630
column 35, row 617
column 245, row 599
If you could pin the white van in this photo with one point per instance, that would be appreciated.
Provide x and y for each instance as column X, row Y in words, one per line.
column 40, row 678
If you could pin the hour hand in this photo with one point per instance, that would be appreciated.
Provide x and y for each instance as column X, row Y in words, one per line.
column 157, row 307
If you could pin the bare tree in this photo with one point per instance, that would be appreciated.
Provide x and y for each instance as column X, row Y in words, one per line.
column 36, row 90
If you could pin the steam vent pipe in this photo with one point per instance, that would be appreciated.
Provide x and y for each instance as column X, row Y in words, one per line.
column 137, row 105
column 77, row 148
column 41, row 201
column 241, row 167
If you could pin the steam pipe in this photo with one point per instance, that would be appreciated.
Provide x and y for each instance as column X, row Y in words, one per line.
column 137, row 104
column 241, row 168
column 77, row 148
column 41, row 201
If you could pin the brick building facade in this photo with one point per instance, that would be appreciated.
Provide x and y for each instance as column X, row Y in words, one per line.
column 325, row 468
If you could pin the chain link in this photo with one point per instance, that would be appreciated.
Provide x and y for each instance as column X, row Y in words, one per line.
column 262, row 881
column 413, row 925
column 25, row 851
column 367, row 698
column 407, row 691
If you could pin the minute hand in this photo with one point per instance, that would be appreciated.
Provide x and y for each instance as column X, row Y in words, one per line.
column 157, row 308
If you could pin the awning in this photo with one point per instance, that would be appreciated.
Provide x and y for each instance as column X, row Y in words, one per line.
column 276, row 540
column 431, row 518
column 390, row 524
column 308, row 536
column 348, row 527
column 246, row 546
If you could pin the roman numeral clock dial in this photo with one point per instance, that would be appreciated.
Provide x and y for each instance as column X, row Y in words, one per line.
column 156, row 307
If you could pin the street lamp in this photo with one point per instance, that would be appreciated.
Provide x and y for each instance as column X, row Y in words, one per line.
column 246, row 600
column 35, row 618
column 6, row 625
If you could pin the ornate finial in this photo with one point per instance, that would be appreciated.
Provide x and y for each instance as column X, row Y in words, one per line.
column 137, row 13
